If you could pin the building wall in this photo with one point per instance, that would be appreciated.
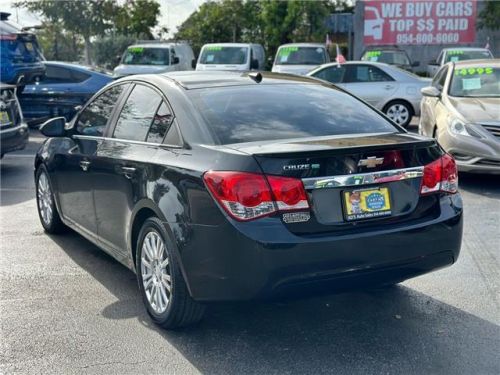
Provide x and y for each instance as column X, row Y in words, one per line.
column 426, row 53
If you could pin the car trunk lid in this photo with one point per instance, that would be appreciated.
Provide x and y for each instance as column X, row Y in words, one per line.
column 338, row 172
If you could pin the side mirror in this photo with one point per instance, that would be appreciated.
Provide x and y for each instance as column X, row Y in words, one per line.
column 254, row 64
column 433, row 62
column 175, row 60
column 193, row 63
column 415, row 63
column 431, row 92
column 77, row 108
column 54, row 127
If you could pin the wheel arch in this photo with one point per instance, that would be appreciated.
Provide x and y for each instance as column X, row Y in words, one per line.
column 394, row 100
column 143, row 210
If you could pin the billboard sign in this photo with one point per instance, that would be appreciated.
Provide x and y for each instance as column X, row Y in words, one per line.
column 419, row 22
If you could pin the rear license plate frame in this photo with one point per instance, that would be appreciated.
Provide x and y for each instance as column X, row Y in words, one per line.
column 351, row 213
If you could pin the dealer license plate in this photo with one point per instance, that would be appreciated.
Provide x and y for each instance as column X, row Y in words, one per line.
column 366, row 203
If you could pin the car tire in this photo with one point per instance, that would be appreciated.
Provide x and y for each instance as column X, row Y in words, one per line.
column 45, row 203
column 162, row 285
column 400, row 112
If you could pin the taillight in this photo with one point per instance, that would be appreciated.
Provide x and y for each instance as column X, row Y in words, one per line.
column 8, row 36
column 440, row 175
column 247, row 196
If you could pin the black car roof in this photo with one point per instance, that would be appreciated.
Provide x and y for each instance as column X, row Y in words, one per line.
column 198, row 79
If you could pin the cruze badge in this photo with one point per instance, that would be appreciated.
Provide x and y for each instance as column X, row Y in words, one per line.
column 370, row 162
column 300, row 167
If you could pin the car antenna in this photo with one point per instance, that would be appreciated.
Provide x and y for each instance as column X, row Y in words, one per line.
column 257, row 77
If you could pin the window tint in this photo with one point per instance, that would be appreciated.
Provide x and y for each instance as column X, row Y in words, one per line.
column 57, row 74
column 333, row 74
column 173, row 137
column 224, row 55
column 365, row 73
column 137, row 114
column 146, row 56
column 161, row 123
column 267, row 112
column 95, row 116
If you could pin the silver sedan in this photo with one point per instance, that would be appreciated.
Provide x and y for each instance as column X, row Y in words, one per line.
column 394, row 91
column 461, row 109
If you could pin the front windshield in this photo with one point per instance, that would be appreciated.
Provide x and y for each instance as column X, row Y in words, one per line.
column 388, row 57
column 461, row 55
column 224, row 55
column 146, row 56
column 476, row 82
column 301, row 56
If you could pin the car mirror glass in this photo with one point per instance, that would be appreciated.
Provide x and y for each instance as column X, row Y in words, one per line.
column 54, row 127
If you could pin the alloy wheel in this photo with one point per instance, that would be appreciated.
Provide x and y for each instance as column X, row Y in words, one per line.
column 398, row 113
column 45, row 201
column 155, row 270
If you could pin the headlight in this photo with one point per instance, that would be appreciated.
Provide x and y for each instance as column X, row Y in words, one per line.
column 457, row 127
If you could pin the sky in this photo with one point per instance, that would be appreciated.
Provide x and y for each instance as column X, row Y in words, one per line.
column 173, row 13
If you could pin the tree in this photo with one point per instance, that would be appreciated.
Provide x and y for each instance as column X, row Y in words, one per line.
column 225, row 21
column 489, row 16
column 58, row 44
column 137, row 17
column 268, row 22
column 91, row 18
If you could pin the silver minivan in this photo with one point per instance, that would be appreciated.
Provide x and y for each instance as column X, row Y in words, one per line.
column 231, row 56
column 155, row 57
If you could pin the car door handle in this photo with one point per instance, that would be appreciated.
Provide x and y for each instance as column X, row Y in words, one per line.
column 85, row 164
column 128, row 172
column 388, row 87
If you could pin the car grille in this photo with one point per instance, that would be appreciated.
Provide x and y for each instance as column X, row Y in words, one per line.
column 493, row 129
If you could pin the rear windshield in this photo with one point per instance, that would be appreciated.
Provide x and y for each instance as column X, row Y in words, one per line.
column 146, row 56
column 268, row 112
column 300, row 56
column 224, row 55
column 461, row 55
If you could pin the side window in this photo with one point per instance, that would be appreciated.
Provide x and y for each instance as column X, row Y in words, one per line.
column 93, row 119
column 137, row 114
column 160, row 125
column 366, row 73
column 59, row 74
column 333, row 74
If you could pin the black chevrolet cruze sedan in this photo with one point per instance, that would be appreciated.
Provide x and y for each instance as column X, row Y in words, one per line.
column 238, row 186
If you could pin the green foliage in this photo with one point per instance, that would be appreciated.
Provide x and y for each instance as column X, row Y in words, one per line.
column 58, row 44
column 226, row 21
column 97, row 18
column 489, row 17
column 268, row 22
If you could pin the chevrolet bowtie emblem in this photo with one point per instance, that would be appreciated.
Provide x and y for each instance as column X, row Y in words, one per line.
column 370, row 162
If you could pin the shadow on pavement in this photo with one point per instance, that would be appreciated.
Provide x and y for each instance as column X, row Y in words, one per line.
column 394, row 330
column 483, row 184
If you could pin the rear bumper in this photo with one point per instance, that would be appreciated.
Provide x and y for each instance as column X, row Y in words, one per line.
column 14, row 139
column 237, row 261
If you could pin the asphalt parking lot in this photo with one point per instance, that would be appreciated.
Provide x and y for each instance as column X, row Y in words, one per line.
column 66, row 307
